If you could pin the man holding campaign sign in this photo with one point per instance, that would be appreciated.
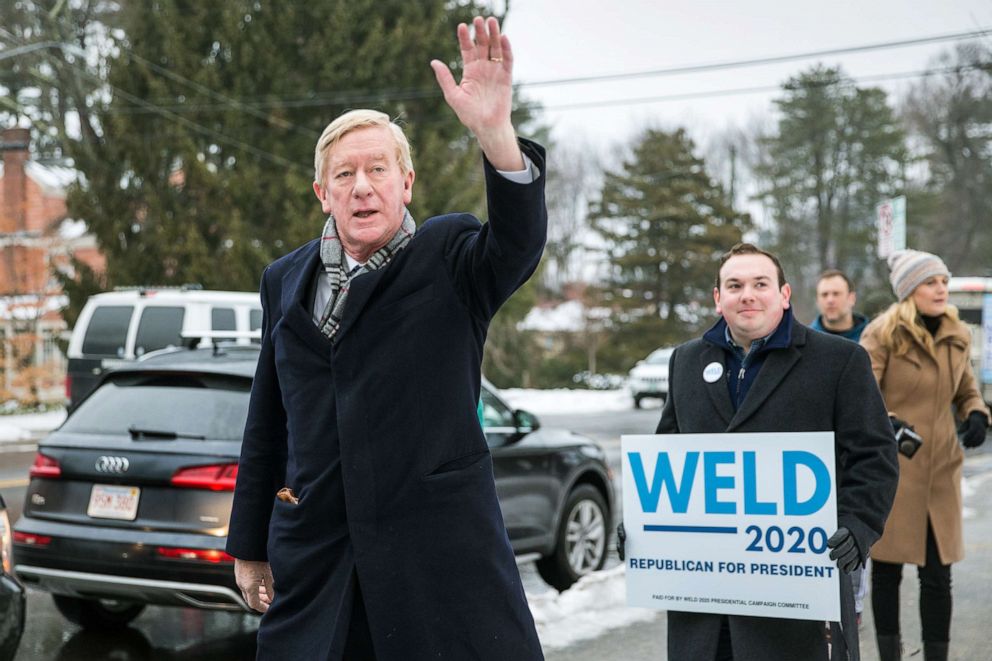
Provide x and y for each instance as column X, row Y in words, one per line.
column 774, row 474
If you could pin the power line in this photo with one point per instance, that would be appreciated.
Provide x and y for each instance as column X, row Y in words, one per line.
column 762, row 89
column 734, row 91
column 345, row 99
column 153, row 108
column 225, row 100
column 203, row 130
column 760, row 61
column 397, row 94
column 351, row 97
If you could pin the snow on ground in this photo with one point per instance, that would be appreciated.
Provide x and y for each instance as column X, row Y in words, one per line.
column 566, row 401
column 971, row 485
column 594, row 605
column 28, row 426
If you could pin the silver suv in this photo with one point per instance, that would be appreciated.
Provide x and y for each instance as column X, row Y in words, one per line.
column 649, row 377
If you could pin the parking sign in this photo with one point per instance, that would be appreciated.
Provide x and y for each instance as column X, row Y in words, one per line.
column 891, row 226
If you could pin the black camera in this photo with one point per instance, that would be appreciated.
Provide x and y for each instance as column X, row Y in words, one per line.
column 908, row 441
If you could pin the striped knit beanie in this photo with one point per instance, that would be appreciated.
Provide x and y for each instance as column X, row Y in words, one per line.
column 909, row 268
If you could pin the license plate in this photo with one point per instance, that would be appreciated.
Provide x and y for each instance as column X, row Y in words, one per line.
column 113, row 502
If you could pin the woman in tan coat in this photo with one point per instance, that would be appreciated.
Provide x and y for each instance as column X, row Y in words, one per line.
column 919, row 352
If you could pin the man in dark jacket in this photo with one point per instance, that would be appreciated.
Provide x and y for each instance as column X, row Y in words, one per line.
column 835, row 300
column 758, row 370
column 365, row 521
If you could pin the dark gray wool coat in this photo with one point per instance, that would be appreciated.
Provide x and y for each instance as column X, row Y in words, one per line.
column 818, row 383
column 377, row 435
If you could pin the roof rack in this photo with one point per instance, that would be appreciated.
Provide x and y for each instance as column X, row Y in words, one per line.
column 193, row 338
column 145, row 289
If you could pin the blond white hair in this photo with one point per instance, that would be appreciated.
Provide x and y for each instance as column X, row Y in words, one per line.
column 351, row 121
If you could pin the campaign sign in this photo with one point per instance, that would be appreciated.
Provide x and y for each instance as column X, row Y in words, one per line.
column 731, row 523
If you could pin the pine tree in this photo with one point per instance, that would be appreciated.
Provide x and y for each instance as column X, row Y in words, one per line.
column 665, row 222
column 205, row 168
column 838, row 151
column 199, row 122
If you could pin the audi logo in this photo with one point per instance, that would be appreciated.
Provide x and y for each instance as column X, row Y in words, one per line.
column 115, row 465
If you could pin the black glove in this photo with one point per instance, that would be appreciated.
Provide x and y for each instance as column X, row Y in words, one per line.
column 898, row 424
column 844, row 550
column 972, row 430
column 621, row 541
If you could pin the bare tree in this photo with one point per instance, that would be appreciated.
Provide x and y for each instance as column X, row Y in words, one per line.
column 575, row 176
column 949, row 117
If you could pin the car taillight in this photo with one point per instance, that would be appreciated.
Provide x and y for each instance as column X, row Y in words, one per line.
column 31, row 539
column 45, row 466
column 204, row 555
column 215, row 477
column 68, row 387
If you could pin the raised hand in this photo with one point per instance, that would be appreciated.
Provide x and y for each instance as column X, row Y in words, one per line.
column 484, row 97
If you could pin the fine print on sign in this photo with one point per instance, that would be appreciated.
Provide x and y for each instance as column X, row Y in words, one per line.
column 731, row 523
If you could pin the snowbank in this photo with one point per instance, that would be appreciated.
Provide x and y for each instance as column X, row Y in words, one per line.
column 29, row 426
column 594, row 605
column 565, row 400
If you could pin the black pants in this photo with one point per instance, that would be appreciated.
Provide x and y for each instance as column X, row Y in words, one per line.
column 724, row 649
column 935, row 595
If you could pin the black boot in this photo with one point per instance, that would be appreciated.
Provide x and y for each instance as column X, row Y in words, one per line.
column 935, row 651
column 890, row 648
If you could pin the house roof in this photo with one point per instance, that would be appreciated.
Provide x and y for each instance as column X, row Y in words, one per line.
column 53, row 179
column 29, row 306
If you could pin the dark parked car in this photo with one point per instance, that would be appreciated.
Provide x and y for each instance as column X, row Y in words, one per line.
column 11, row 593
column 129, row 500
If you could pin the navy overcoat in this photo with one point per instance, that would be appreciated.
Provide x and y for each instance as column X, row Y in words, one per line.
column 818, row 383
column 377, row 435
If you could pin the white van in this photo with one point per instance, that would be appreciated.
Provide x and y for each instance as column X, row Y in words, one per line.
column 125, row 324
column 973, row 299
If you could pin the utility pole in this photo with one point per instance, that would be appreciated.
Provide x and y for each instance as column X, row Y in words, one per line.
column 733, row 174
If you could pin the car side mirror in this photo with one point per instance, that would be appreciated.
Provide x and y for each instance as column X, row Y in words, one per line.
column 525, row 421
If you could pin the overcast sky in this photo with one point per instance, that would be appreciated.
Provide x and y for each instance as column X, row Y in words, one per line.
column 556, row 39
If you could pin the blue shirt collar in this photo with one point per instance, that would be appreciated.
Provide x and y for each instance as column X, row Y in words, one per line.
column 780, row 338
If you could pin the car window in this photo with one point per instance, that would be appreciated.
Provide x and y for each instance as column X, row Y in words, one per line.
column 494, row 412
column 160, row 327
column 185, row 405
column 972, row 316
column 222, row 319
column 106, row 333
column 255, row 323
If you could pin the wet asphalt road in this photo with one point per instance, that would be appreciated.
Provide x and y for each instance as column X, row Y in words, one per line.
column 173, row 633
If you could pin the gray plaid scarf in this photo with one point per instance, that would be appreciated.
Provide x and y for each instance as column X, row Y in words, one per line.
column 332, row 255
